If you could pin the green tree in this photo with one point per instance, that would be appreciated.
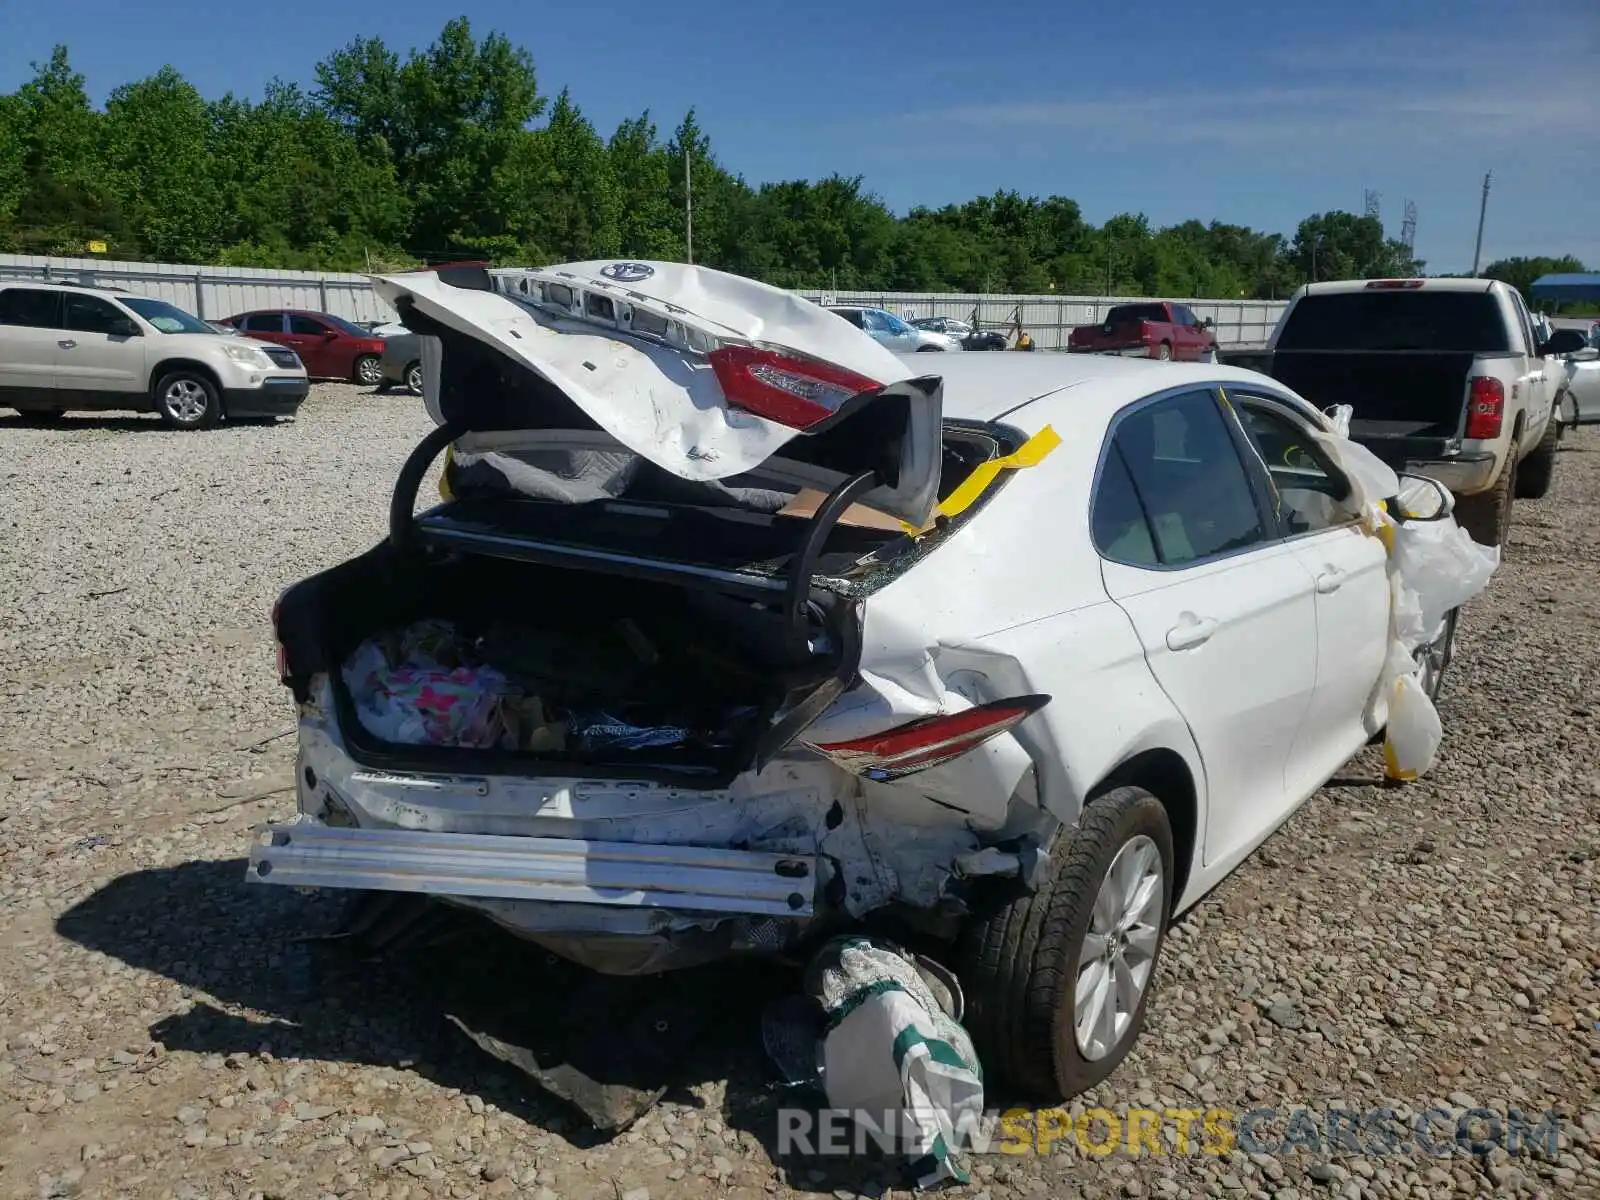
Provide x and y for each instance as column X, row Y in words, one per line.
column 154, row 148
column 1521, row 272
column 646, row 224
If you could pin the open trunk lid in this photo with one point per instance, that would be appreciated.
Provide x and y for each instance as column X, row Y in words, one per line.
column 705, row 375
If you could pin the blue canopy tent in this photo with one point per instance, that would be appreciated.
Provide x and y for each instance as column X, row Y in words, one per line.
column 1564, row 289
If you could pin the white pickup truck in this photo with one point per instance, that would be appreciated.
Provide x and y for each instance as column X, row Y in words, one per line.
column 1447, row 378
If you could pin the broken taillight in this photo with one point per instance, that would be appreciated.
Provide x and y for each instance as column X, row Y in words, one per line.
column 1486, row 407
column 786, row 388
column 929, row 741
column 277, row 640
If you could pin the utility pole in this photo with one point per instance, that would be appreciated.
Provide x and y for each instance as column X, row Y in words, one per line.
column 1483, row 207
column 688, row 204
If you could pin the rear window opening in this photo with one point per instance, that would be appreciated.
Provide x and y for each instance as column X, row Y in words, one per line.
column 1390, row 319
column 1126, row 313
column 608, row 499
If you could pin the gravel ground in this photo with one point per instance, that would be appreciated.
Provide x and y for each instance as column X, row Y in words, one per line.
column 162, row 1033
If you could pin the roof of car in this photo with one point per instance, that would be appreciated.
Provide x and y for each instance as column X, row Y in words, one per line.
column 1334, row 287
column 69, row 285
column 1087, row 388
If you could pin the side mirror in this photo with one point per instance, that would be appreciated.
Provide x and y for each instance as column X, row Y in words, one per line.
column 1587, row 354
column 1563, row 341
column 125, row 327
column 329, row 334
column 1209, row 323
column 1421, row 499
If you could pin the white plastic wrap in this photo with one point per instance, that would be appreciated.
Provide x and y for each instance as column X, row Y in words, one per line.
column 892, row 1053
column 1414, row 730
column 1442, row 564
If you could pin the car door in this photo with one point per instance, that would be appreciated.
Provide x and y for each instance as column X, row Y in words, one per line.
column 877, row 326
column 1349, row 571
column 30, row 327
column 318, row 346
column 264, row 326
column 102, row 359
column 1540, row 379
column 1223, row 606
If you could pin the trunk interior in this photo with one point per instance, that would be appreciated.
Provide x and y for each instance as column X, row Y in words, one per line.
column 476, row 663
column 1395, row 394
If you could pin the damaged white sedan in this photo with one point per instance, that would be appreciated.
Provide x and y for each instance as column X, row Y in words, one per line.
column 733, row 629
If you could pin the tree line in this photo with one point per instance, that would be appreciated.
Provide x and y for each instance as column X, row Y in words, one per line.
column 453, row 152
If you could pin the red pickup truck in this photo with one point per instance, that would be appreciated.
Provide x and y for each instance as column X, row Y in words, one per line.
column 1154, row 330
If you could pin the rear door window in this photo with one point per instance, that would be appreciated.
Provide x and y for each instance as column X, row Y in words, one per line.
column 90, row 314
column 1190, row 483
column 263, row 323
column 30, row 308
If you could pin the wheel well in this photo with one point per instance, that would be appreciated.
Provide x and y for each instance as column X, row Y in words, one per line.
column 1165, row 775
column 166, row 368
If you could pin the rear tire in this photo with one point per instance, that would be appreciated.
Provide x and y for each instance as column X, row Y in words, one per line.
column 368, row 370
column 1539, row 468
column 1164, row 351
column 188, row 400
column 413, row 378
column 1486, row 516
column 1024, row 968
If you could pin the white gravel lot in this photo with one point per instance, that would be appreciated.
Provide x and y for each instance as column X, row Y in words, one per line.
column 163, row 1035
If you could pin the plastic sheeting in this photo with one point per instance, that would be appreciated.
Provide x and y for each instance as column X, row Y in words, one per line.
column 893, row 1050
column 1434, row 568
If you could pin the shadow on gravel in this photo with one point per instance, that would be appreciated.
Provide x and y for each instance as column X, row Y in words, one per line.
column 607, row 1044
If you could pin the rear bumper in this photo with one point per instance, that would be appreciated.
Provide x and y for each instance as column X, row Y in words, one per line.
column 1462, row 471
column 497, row 867
column 1139, row 351
column 274, row 398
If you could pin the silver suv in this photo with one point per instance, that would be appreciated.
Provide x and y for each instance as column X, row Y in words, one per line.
column 890, row 331
column 67, row 347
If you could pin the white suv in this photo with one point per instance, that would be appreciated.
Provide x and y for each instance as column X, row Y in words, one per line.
column 70, row 347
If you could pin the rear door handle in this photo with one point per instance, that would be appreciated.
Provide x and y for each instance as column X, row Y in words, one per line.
column 66, row 343
column 1190, row 632
column 1331, row 580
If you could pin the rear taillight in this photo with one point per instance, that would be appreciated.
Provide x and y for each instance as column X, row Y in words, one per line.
column 277, row 640
column 1394, row 283
column 786, row 388
column 930, row 741
column 1486, row 408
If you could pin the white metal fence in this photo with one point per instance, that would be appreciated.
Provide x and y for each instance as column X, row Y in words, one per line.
column 212, row 292
column 215, row 292
column 1049, row 318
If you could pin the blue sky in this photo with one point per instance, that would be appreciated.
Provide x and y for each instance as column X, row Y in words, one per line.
column 1252, row 112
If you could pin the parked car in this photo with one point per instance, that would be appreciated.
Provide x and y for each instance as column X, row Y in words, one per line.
column 840, row 679
column 891, row 332
column 330, row 346
column 1579, row 400
column 64, row 348
column 970, row 338
column 401, row 364
column 1447, row 379
column 1153, row 330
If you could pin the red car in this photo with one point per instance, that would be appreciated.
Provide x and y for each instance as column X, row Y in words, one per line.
column 330, row 346
column 1151, row 330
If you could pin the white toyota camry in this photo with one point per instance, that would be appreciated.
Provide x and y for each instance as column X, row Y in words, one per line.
column 733, row 628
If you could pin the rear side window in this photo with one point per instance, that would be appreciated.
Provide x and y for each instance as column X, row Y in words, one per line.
column 1135, row 312
column 1397, row 320
column 29, row 308
column 90, row 314
column 1185, row 473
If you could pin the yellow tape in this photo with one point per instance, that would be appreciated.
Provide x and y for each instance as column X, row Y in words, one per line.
column 444, row 475
column 1030, row 454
